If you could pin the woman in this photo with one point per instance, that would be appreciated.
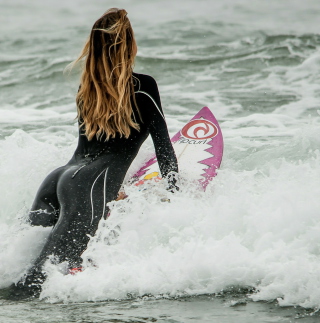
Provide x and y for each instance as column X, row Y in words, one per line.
column 117, row 109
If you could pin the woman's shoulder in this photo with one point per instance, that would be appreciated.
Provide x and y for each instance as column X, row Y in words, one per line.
column 143, row 76
column 144, row 81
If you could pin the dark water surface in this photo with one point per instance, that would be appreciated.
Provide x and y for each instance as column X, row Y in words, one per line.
column 223, row 309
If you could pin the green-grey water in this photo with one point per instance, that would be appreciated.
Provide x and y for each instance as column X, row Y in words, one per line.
column 257, row 227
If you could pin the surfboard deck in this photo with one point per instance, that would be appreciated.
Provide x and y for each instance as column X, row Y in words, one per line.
column 199, row 150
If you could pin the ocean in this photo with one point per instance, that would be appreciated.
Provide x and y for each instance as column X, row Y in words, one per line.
column 247, row 249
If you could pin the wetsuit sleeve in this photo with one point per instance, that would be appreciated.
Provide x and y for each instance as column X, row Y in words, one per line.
column 159, row 132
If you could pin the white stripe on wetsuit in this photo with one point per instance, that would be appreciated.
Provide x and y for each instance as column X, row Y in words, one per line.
column 104, row 195
column 152, row 101
column 104, row 192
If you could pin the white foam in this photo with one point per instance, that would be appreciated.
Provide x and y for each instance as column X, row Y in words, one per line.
column 25, row 162
column 10, row 114
column 255, row 230
column 256, row 225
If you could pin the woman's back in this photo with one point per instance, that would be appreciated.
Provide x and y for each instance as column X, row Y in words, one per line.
column 151, row 120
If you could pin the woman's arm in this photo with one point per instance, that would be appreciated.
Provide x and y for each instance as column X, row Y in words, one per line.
column 159, row 132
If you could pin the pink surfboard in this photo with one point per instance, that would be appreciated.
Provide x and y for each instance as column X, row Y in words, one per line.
column 199, row 149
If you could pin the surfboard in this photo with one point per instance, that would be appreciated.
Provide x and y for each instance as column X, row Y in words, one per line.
column 199, row 150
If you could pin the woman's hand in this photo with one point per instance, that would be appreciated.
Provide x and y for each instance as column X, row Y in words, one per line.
column 121, row 196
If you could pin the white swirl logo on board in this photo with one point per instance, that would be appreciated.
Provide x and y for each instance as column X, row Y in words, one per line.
column 199, row 129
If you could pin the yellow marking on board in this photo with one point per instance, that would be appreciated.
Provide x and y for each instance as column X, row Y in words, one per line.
column 151, row 175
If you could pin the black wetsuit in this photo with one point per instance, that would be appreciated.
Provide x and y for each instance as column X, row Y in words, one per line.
column 73, row 197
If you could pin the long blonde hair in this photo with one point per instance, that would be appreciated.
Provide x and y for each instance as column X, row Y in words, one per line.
column 106, row 87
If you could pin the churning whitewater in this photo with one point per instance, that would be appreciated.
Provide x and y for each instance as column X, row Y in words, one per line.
column 257, row 226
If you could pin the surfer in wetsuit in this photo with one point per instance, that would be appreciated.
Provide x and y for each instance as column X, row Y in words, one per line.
column 117, row 110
